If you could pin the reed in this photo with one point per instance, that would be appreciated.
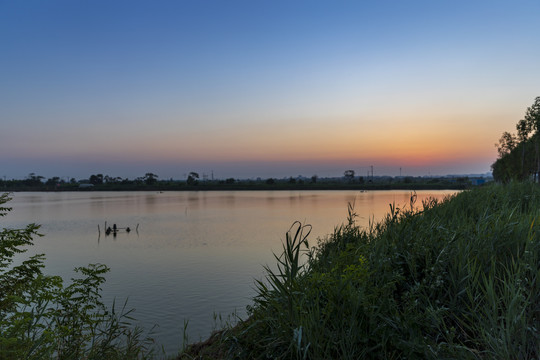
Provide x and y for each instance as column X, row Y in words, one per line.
column 457, row 278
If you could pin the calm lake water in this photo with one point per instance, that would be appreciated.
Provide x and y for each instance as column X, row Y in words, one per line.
column 195, row 254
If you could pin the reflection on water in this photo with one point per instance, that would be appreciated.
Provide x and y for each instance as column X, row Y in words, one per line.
column 195, row 253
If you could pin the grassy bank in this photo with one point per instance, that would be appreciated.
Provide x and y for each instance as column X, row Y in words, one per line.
column 458, row 279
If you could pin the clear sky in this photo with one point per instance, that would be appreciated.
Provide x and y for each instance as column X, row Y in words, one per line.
column 262, row 88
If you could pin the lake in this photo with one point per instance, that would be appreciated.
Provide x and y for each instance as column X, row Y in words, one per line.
column 194, row 254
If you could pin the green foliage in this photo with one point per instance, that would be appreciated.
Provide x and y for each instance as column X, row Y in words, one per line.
column 458, row 279
column 41, row 318
column 519, row 155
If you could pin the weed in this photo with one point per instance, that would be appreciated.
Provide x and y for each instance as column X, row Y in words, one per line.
column 458, row 278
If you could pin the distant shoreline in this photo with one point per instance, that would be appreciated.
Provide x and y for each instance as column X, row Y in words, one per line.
column 244, row 187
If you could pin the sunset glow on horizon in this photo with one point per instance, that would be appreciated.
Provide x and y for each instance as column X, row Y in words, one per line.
column 262, row 89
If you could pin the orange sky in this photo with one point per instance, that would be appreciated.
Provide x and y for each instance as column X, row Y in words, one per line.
column 272, row 90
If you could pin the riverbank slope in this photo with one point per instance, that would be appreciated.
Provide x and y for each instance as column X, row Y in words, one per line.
column 456, row 279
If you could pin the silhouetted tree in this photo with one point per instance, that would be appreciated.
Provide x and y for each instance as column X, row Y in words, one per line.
column 507, row 143
column 53, row 181
column 96, row 179
column 519, row 155
column 524, row 129
column 193, row 178
column 33, row 179
column 150, row 178
column 349, row 175
column 532, row 116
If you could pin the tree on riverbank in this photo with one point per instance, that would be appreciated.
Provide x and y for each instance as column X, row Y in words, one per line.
column 150, row 178
column 193, row 178
column 519, row 154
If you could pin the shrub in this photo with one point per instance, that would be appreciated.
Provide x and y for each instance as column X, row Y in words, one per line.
column 42, row 318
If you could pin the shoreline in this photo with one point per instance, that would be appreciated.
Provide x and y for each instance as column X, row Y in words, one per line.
column 245, row 187
column 414, row 273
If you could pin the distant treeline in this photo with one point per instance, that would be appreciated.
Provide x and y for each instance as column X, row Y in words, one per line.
column 150, row 182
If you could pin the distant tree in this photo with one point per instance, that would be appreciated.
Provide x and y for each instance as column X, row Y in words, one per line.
column 292, row 180
column 150, row 178
column 193, row 178
column 53, row 181
column 230, row 181
column 349, row 175
column 112, row 180
column 96, row 179
column 270, row 181
column 314, row 179
column 361, row 179
column 33, row 179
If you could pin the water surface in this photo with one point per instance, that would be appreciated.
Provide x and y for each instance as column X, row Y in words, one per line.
column 194, row 254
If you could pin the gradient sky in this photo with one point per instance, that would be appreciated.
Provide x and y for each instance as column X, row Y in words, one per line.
column 262, row 88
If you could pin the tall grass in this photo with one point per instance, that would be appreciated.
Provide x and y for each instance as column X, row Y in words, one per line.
column 457, row 279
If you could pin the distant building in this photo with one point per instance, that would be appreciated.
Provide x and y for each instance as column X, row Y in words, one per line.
column 478, row 181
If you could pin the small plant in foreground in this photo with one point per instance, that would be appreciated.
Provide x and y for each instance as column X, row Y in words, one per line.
column 41, row 318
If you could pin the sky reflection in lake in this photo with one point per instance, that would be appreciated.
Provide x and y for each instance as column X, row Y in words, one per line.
column 194, row 254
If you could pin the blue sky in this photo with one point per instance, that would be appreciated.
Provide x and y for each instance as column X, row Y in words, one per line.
column 262, row 88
